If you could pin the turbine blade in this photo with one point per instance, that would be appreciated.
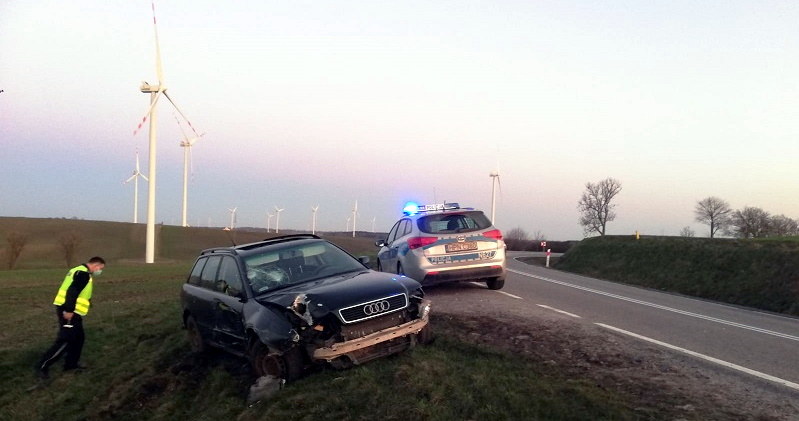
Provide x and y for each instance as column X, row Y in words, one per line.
column 181, row 128
column 131, row 178
column 181, row 114
column 147, row 114
column 158, row 68
column 144, row 177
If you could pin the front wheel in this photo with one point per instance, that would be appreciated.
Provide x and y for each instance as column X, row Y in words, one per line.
column 425, row 336
column 495, row 283
column 287, row 366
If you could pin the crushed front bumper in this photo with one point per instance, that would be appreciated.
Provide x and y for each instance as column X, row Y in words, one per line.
column 352, row 347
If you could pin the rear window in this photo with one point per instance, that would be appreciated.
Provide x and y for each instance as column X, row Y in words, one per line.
column 451, row 222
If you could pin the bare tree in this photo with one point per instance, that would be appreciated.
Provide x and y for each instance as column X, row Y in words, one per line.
column 714, row 212
column 782, row 226
column 595, row 205
column 16, row 242
column 516, row 238
column 70, row 241
column 750, row 222
column 687, row 232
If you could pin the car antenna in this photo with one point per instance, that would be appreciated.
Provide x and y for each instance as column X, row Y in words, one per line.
column 229, row 236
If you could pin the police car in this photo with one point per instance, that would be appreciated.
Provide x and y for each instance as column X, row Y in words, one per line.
column 442, row 243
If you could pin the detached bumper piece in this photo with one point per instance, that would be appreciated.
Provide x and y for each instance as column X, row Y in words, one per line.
column 376, row 344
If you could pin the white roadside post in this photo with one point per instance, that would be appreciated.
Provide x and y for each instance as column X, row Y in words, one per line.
column 549, row 253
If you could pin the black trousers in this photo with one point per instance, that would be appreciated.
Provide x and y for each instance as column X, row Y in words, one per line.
column 69, row 342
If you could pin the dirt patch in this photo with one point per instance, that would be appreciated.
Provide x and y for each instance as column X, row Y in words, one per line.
column 657, row 383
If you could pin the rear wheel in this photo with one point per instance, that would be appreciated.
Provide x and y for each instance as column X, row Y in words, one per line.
column 287, row 366
column 495, row 283
column 196, row 341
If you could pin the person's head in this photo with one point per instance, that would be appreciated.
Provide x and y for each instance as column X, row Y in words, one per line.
column 96, row 265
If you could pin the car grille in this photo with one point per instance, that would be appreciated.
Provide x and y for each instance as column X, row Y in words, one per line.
column 373, row 308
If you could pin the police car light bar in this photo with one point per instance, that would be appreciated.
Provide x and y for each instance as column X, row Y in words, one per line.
column 412, row 208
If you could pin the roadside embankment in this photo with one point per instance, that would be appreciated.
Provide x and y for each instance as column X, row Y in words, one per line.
column 762, row 274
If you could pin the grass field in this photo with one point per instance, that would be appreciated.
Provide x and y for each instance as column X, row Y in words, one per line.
column 141, row 368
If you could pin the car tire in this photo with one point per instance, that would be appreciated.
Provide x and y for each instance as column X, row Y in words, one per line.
column 425, row 336
column 495, row 283
column 287, row 366
column 195, row 337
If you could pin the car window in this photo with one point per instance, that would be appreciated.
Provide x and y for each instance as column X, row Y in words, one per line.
column 229, row 280
column 447, row 223
column 194, row 278
column 290, row 264
column 393, row 233
column 406, row 227
column 208, row 276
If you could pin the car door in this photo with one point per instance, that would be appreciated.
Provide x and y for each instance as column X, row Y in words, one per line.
column 388, row 253
column 203, row 295
column 228, row 304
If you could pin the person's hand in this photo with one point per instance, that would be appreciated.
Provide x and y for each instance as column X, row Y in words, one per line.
column 68, row 316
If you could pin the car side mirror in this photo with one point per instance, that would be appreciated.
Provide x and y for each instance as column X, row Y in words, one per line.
column 364, row 260
column 380, row 243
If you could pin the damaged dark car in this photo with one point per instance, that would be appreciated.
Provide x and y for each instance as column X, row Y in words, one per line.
column 291, row 302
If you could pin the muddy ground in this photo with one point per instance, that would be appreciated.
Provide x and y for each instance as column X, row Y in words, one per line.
column 661, row 384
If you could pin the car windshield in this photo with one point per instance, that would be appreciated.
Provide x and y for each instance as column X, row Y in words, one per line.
column 290, row 264
column 450, row 222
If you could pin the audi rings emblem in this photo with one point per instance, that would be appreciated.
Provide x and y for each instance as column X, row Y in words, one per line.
column 376, row 307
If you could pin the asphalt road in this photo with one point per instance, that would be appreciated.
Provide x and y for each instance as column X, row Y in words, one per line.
column 757, row 345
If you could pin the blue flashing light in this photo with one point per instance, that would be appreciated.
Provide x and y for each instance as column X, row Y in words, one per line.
column 410, row 208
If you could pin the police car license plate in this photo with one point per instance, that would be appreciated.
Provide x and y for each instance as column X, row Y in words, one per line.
column 464, row 246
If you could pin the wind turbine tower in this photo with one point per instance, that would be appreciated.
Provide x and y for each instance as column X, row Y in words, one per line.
column 277, row 220
column 186, row 144
column 313, row 219
column 135, row 178
column 232, row 217
column 155, row 92
column 354, row 216
column 269, row 217
column 494, row 181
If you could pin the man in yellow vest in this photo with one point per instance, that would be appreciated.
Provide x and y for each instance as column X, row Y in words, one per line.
column 72, row 303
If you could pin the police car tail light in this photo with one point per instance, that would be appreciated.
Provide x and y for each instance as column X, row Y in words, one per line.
column 495, row 234
column 416, row 242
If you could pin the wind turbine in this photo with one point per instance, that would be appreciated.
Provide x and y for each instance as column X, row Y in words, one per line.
column 135, row 178
column 277, row 220
column 313, row 219
column 374, row 218
column 354, row 216
column 269, row 217
column 232, row 217
column 186, row 144
column 155, row 92
column 494, row 181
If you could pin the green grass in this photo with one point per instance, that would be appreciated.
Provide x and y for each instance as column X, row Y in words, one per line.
column 761, row 273
column 141, row 368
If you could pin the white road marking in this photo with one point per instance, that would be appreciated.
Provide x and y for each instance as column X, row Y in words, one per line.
column 501, row 292
column 749, row 371
column 661, row 307
column 559, row 311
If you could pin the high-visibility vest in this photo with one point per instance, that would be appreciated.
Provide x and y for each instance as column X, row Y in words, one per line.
column 84, row 298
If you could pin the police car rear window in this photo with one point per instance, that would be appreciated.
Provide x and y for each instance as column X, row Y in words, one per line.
column 452, row 222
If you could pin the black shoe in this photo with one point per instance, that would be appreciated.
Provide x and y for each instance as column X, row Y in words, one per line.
column 75, row 367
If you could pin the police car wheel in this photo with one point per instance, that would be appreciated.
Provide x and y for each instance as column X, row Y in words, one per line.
column 495, row 283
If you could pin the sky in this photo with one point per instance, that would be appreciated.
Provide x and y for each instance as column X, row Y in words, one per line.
column 309, row 103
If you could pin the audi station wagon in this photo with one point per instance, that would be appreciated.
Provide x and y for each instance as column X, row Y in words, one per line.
column 291, row 302
column 442, row 243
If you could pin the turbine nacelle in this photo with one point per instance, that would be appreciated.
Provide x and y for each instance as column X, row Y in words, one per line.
column 150, row 89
